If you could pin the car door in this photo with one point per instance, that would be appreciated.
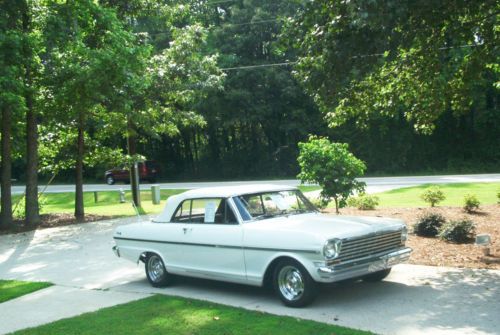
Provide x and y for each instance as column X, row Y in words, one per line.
column 213, row 241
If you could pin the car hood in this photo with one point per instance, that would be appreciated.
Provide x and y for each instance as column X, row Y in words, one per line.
column 324, row 226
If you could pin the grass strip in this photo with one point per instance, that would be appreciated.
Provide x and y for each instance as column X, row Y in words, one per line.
column 11, row 289
column 486, row 193
column 108, row 202
column 161, row 314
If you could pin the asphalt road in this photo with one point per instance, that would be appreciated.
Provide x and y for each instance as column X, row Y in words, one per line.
column 78, row 259
column 374, row 184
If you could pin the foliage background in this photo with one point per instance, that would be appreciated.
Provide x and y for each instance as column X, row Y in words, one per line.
column 252, row 124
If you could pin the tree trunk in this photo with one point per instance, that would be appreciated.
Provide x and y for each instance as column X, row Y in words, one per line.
column 79, row 206
column 6, row 201
column 31, row 207
column 132, row 150
column 336, row 205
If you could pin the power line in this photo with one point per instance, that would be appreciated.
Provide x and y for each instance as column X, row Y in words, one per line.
column 257, row 66
column 246, row 67
column 441, row 48
column 252, row 22
column 217, row 2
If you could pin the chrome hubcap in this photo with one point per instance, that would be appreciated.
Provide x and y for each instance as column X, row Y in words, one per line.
column 290, row 283
column 156, row 270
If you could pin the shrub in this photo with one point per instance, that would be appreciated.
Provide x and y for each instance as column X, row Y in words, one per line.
column 498, row 197
column 364, row 202
column 459, row 231
column 429, row 224
column 319, row 203
column 471, row 203
column 433, row 195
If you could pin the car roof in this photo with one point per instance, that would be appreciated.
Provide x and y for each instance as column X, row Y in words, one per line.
column 230, row 191
column 216, row 192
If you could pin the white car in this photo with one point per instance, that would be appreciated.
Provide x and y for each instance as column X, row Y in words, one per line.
column 259, row 235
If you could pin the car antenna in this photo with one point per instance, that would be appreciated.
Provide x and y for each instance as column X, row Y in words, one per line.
column 139, row 217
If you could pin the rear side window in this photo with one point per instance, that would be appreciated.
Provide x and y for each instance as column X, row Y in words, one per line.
column 213, row 210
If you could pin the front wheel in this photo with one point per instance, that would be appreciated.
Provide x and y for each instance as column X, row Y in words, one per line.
column 377, row 276
column 156, row 272
column 293, row 284
column 110, row 180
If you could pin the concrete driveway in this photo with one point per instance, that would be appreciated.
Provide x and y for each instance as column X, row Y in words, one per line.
column 78, row 259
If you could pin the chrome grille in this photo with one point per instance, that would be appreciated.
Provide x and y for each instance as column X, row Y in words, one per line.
column 369, row 245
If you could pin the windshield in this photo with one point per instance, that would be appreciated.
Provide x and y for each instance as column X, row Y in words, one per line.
column 270, row 204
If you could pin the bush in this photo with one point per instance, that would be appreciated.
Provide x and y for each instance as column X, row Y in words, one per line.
column 429, row 224
column 498, row 197
column 364, row 202
column 433, row 195
column 460, row 231
column 471, row 204
column 319, row 203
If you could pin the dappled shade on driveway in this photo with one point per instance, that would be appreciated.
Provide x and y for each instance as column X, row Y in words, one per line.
column 412, row 300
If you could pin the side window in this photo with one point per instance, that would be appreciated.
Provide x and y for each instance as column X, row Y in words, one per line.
column 182, row 213
column 214, row 210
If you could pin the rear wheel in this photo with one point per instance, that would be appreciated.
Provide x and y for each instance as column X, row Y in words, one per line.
column 293, row 284
column 156, row 272
column 377, row 276
column 110, row 180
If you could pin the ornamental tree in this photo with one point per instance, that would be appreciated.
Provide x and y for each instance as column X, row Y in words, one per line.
column 333, row 167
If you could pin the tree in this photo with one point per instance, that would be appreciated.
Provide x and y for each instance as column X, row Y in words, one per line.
column 178, row 75
column 361, row 59
column 11, row 96
column 333, row 167
column 255, row 122
column 30, row 57
column 92, row 61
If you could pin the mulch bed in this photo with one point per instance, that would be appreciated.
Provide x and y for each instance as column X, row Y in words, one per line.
column 433, row 251
column 52, row 220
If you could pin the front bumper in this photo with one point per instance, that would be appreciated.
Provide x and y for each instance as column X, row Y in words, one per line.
column 363, row 266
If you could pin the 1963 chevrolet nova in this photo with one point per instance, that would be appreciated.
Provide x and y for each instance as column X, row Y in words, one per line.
column 258, row 235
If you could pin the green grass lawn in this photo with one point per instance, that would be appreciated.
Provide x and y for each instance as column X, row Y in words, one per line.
column 108, row 204
column 486, row 193
column 11, row 289
column 169, row 315
column 308, row 188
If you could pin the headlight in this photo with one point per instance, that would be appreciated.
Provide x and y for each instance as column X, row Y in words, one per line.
column 404, row 234
column 331, row 249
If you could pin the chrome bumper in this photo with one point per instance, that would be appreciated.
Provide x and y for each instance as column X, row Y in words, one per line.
column 116, row 251
column 363, row 266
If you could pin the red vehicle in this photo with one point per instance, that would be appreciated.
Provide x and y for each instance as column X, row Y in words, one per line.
column 148, row 171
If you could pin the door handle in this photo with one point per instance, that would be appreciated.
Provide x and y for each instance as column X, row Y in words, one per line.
column 186, row 230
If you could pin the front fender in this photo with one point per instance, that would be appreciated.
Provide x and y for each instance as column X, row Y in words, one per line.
column 258, row 263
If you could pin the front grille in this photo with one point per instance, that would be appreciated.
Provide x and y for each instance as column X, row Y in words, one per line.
column 369, row 245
